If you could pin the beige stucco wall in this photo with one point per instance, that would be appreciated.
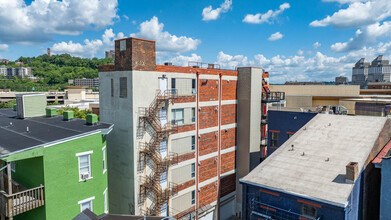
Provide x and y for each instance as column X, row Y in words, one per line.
column 298, row 101
column 314, row 90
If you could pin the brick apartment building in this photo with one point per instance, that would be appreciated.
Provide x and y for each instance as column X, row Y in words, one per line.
column 183, row 136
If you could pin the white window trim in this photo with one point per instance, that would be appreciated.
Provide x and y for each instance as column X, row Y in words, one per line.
column 89, row 161
column 105, row 201
column 104, row 159
column 87, row 200
column 84, row 153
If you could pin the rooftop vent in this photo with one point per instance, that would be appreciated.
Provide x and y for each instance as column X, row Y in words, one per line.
column 351, row 172
column 30, row 105
column 50, row 112
column 91, row 119
column 68, row 115
column 168, row 64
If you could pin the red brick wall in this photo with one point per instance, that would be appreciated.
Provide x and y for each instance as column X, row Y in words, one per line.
column 139, row 55
column 229, row 90
column 227, row 185
column 185, row 212
column 228, row 139
column 208, row 143
column 208, row 194
column 184, row 128
column 182, row 69
column 186, row 185
column 228, row 114
column 183, row 99
column 227, row 162
column 185, row 157
column 207, row 169
column 208, row 90
column 208, row 117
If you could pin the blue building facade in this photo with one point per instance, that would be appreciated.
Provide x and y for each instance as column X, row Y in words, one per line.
column 282, row 125
column 262, row 202
column 383, row 161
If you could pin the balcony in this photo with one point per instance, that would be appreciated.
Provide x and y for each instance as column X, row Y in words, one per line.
column 20, row 202
column 268, row 97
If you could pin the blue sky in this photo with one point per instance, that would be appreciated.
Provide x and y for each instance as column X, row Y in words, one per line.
column 295, row 40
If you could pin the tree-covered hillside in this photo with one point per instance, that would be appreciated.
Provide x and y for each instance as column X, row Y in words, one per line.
column 57, row 69
column 53, row 72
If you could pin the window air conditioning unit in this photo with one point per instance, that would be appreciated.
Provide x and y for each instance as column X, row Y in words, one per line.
column 84, row 176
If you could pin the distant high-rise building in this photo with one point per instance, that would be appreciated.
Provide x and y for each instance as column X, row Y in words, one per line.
column 110, row 54
column 11, row 72
column 90, row 83
column 378, row 71
column 360, row 73
column 341, row 80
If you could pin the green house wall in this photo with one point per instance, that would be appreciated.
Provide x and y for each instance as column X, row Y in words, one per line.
column 58, row 170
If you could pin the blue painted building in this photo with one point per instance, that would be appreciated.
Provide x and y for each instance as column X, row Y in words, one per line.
column 383, row 161
column 324, row 171
column 282, row 125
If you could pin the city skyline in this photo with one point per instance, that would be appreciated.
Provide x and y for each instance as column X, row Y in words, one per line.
column 293, row 40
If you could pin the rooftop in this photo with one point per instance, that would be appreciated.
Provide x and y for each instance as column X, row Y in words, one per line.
column 22, row 134
column 329, row 143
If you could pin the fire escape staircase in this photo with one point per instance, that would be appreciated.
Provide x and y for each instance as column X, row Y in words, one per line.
column 268, row 97
column 150, row 184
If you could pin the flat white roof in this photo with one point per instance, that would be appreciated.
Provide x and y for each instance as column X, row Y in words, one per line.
column 340, row 139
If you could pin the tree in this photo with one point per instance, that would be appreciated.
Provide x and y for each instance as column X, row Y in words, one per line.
column 77, row 113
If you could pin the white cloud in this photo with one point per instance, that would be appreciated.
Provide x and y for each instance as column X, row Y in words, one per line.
column 300, row 52
column 316, row 45
column 344, row 1
column 89, row 48
column 3, row 47
column 319, row 66
column 268, row 17
column 126, row 17
column 153, row 30
column 208, row 13
column 275, row 36
column 357, row 14
column 150, row 29
column 39, row 21
column 368, row 35
column 181, row 60
column 227, row 61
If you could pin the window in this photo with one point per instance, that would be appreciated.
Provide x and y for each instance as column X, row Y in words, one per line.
column 123, row 87
column 192, row 170
column 193, row 197
column 193, row 115
column 177, row 116
column 290, row 135
column 193, row 86
column 13, row 166
column 173, row 86
column 309, row 211
column 104, row 159
column 274, row 139
column 105, row 201
column 193, row 142
column 86, row 204
column 84, row 165
column 112, row 87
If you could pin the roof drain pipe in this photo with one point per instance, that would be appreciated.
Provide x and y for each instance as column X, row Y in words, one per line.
column 198, row 141
column 219, row 148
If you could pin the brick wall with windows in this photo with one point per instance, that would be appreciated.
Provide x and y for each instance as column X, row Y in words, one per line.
column 207, row 169
column 208, row 117
column 208, row 143
column 228, row 114
column 209, row 90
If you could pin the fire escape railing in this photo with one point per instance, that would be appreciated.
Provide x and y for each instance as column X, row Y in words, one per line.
column 151, row 183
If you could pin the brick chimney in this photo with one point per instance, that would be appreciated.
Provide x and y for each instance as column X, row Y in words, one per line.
column 135, row 54
column 351, row 172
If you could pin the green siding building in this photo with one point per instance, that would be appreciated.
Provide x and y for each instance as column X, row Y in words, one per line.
column 57, row 166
